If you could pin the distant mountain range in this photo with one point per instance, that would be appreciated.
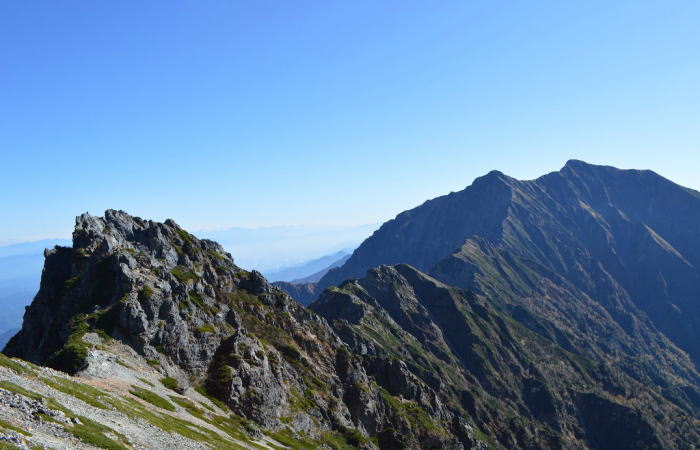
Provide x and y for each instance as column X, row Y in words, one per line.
column 304, row 289
column 272, row 249
column 310, row 271
column 556, row 313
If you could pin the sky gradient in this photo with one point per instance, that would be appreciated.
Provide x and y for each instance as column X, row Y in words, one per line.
column 231, row 113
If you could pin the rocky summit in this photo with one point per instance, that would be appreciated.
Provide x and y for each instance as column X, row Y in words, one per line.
column 556, row 313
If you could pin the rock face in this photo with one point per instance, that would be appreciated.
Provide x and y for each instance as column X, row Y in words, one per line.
column 475, row 361
column 186, row 308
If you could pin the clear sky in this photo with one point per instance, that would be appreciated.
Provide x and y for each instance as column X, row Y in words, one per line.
column 253, row 113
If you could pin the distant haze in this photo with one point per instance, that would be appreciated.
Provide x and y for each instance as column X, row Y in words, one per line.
column 20, row 271
column 273, row 248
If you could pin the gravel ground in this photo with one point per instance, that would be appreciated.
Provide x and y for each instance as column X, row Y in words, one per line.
column 45, row 425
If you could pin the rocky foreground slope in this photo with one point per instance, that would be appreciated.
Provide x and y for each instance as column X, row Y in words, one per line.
column 120, row 402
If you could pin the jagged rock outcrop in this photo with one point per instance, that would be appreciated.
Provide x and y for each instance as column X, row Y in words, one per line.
column 188, row 310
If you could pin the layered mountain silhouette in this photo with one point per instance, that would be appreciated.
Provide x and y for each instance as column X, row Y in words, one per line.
column 561, row 312
column 309, row 271
column 625, row 242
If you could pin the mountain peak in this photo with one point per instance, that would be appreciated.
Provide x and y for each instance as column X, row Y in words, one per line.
column 580, row 167
column 494, row 176
column 577, row 163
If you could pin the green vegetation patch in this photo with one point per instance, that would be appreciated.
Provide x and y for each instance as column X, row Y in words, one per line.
column 189, row 406
column 103, row 335
column 123, row 364
column 71, row 282
column 72, row 357
column 145, row 381
column 88, row 431
column 12, row 387
column 153, row 362
column 172, row 424
column 242, row 296
column 151, row 397
column 300, row 402
column 216, row 255
column 8, row 362
column 188, row 243
column 146, row 293
column 414, row 414
column 207, row 407
column 184, row 274
column 206, row 328
column 196, row 299
column 8, row 426
column 223, row 374
column 93, row 433
column 169, row 382
column 90, row 395
column 346, row 439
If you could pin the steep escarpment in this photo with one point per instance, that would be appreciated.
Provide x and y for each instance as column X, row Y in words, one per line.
column 190, row 313
column 522, row 389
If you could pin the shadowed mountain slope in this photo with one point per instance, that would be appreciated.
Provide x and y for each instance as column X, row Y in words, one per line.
column 627, row 241
column 522, row 388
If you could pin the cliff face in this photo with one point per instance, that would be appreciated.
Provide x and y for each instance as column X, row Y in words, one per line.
column 522, row 389
column 189, row 311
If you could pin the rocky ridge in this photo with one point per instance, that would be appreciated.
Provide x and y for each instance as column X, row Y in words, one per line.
column 523, row 389
column 203, row 323
column 626, row 239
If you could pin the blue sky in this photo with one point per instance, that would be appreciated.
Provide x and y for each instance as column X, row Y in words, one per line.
column 260, row 113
